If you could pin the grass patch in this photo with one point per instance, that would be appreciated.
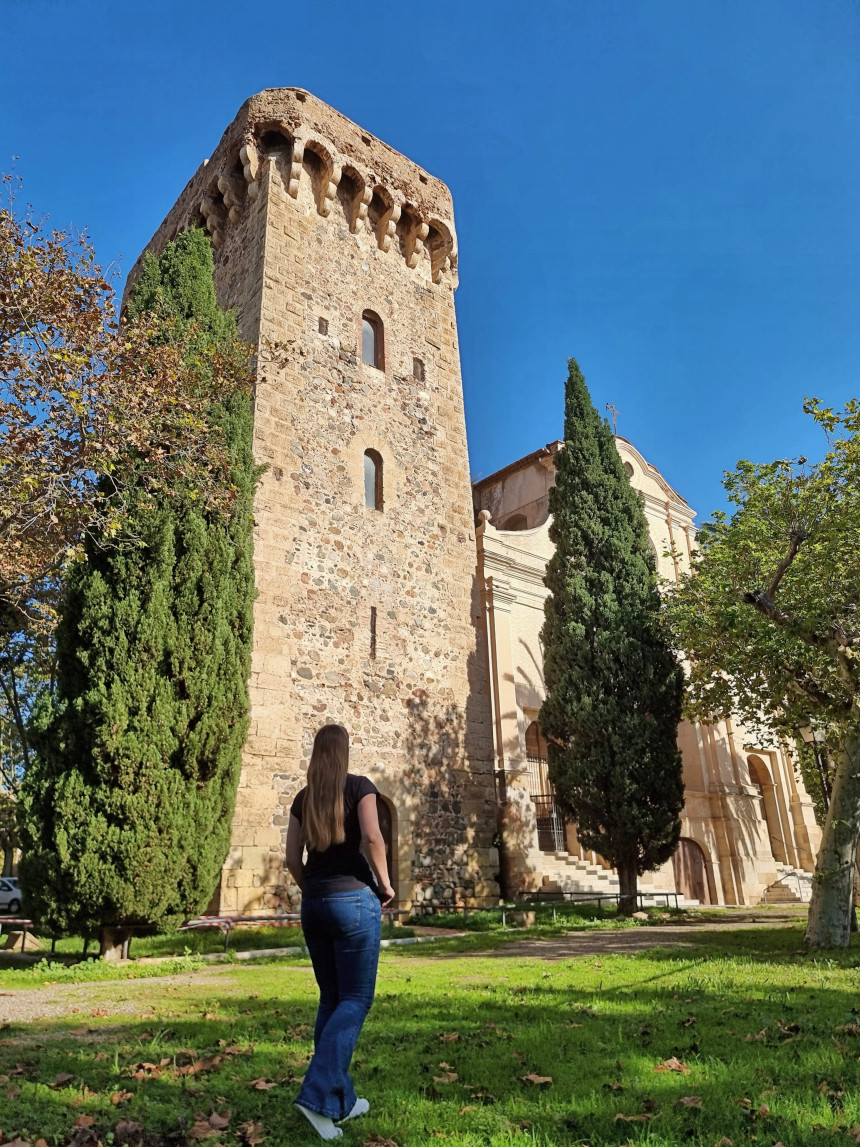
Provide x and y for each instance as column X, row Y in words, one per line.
column 481, row 1051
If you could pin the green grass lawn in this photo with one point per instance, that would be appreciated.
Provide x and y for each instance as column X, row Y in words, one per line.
column 741, row 1035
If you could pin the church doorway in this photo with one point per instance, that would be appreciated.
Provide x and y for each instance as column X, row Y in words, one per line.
column 760, row 779
column 388, row 827
column 691, row 871
column 550, row 822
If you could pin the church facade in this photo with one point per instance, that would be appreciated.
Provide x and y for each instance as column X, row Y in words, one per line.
column 748, row 827
column 379, row 602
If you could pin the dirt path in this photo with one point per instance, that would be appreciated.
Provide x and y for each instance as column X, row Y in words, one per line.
column 631, row 939
column 107, row 997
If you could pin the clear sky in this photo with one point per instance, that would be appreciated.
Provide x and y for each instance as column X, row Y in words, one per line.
column 665, row 189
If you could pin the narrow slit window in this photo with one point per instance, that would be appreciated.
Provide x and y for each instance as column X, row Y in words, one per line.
column 371, row 340
column 418, row 370
column 323, row 326
column 373, row 631
column 372, row 480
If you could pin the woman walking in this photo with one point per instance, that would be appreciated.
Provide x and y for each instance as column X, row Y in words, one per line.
column 335, row 818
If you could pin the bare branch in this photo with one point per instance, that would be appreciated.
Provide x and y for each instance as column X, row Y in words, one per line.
column 798, row 537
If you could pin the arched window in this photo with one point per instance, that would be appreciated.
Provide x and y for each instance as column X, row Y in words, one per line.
column 371, row 340
column 629, row 469
column 418, row 370
column 372, row 480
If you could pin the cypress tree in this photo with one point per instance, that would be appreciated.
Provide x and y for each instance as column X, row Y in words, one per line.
column 127, row 809
column 613, row 686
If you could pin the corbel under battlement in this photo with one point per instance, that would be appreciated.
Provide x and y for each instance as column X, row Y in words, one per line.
column 380, row 191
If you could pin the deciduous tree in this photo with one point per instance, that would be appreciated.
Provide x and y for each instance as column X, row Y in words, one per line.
column 613, row 685
column 770, row 619
column 90, row 408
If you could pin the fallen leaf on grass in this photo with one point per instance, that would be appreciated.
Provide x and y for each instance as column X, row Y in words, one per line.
column 672, row 1064
column 13, row 1092
column 763, row 1112
column 206, row 1125
column 199, row 1065
column 690, row 1101
column 446, row 1077
column 262, row 1084
column 83, row 1121
column 724, row 1142
column 99, row 1012
column 758, row 1037
column 376, row 1141
column 632, row 1118
column 252, row 1133
column 449, row 1037
column 469, row 1107
column 793, row 1028
column 61, row 1079
column 482, row 1095
column 532, row 1077
column 121, row 1097
column 127, row 1132
column 17, row 1143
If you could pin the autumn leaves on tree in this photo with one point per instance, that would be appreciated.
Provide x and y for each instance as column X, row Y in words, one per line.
column 97, row 414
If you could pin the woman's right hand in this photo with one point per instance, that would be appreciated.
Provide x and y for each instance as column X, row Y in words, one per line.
column 388, row 895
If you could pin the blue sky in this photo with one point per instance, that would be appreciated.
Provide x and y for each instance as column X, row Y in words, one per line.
column 665, row 189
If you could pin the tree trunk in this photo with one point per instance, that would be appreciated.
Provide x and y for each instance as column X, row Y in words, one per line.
column 112, row 942
column 831, row 907
column 627, row 887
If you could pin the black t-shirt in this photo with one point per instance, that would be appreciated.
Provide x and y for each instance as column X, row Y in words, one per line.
column 342, row 867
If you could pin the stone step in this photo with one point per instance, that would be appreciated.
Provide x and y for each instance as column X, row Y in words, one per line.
column 781, row 892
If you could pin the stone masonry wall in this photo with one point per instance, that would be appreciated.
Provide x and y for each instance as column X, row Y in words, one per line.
column 314, row 222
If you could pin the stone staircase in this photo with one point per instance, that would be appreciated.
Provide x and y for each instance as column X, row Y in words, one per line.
column 564, row 875
column 793, row 886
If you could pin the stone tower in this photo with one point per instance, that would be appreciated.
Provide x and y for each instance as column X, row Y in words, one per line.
column 339, row 256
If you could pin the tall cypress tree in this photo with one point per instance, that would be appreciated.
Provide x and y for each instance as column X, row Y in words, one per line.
column 614, row 688
column 127, row 810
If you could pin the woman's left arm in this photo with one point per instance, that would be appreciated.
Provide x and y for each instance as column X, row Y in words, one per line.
column 295, row 848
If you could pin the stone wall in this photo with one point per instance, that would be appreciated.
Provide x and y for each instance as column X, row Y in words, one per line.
column 315, row 222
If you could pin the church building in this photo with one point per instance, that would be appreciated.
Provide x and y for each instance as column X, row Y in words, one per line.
column 393, row 597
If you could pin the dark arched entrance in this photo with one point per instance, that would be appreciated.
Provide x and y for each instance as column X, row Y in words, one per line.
column 388, row 828
column 691, row 871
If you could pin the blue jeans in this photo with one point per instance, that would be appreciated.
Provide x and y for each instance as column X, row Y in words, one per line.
column 342, row 933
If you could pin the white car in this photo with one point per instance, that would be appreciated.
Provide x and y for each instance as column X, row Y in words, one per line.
column 10, row 895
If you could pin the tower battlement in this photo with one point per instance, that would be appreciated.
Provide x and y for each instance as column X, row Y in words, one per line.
column 373, row 185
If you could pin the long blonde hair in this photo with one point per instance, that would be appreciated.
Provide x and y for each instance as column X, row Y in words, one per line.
column 322, row 812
